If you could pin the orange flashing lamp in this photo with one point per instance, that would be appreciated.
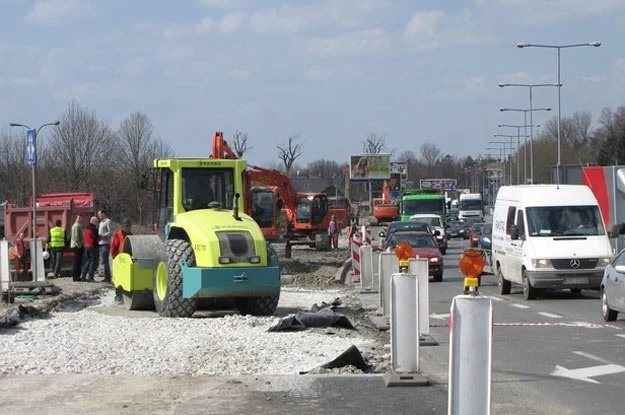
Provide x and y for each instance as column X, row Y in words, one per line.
column 471, row 265
column 403, row 252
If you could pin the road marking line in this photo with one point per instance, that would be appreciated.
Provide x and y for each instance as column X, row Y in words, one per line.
column 550, row 315
column 444, row 316
column 621, row 335
column 495, row 298
column 586, row 373
column 517, row 305
column 592, row 357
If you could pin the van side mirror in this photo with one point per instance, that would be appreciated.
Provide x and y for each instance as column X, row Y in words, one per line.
column 514, row 232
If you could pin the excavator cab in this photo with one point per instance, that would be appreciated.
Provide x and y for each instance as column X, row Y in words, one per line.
column 312, row 208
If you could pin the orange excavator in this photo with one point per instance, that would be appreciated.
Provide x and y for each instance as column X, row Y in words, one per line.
column 383, row 209
column 283, row 213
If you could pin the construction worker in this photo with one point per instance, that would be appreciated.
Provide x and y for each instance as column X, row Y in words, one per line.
column 56, row 246
column 77, row 246
column 334, row 230
column 117, row 247
column 19, row 252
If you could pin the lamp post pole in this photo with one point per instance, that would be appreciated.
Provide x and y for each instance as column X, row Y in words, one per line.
column 33, row 162
column 511, row 138
column 525, row 111
column 521, row 45
column 518, row 127
column 529, row 86
column 509, row 155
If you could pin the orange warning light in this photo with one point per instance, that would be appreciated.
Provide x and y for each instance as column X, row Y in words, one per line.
column 403, row 251
column 471, row 263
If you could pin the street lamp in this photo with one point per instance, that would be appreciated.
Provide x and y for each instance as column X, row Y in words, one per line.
column 509, row 153
column 521, row 45
column 518, row 127
column 529, row 86
column 525, row 111
column 511, row 138
column 32, row 159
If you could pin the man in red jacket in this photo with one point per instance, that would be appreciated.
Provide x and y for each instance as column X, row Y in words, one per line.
column 90, row 241
column 117, row 244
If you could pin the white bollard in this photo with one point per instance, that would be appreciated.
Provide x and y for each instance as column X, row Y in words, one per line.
column 404, row 323
column 470, row 354
column 388, row 265
column 420, row 267
column 41, row 272
column 366, row 267
column 5, row 268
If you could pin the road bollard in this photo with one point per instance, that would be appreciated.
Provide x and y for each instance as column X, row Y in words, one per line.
column 404, row 323
column 420, row 268
column 41, row 272
column 366, row 267
column 5, row 271
column 388, row 264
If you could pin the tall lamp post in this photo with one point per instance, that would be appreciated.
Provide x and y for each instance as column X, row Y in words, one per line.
column 525, row 111
column 31, row 137
column 505, row 143
column 521, row 45
column 528, row 86
column 518, row 127
column 511, row 138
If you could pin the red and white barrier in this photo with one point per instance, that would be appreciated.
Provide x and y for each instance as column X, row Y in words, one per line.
column 355, row 245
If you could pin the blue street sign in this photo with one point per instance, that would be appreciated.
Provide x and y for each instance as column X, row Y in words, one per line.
column 31, row 147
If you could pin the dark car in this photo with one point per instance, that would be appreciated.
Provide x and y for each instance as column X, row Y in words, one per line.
column 474, row 234
column 423, row 246
column 486, row 237
column 405, row 226
column 457, row 229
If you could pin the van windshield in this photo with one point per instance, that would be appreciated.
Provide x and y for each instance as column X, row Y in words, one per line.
column 564, row 220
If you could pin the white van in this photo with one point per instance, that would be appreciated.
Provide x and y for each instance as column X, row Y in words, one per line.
column 548, row 237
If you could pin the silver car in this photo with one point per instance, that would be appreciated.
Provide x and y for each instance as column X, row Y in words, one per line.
column 613, row 288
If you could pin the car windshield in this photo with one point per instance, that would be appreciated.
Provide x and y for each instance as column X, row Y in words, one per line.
column 415, row 241
column 487, row 229
column 407, row 226
column 430, row 221
column 477, row 227
column 564, row 220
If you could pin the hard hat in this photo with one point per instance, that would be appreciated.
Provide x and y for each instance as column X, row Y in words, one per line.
column 126, row 221
column 46, row 255
column 333, row 216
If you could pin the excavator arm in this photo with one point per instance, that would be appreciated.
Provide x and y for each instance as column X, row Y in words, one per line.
column 221, row 149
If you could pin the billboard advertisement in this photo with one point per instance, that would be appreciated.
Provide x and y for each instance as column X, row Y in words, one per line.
column 400, row 167
column 439, row 184
column 370, row 167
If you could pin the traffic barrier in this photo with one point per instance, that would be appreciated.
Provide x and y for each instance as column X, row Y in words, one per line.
column 366, row 268
column 367, row 235
column 470, row 355
column 388, row 264
column 405, row 323
column 355, row 245
column 41, row 271
column 420, row 268
column 5, row 269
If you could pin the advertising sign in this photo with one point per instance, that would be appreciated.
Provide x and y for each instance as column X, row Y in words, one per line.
column 370, row 167
column 439, row 184
column 400, row 167
column 31, row 143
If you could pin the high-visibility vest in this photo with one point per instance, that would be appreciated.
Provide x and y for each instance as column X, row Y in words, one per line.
column 57, row 237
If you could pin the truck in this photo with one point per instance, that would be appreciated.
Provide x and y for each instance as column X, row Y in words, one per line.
column 470, row 206
column 200, row 256
column 422, row 201
column 50, row 207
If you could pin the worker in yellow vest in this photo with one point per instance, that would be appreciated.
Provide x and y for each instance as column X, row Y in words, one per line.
column 56, row 245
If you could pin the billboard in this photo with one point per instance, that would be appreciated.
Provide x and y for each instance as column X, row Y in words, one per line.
column 400, row 167
column 370, row 167
column 439, row 184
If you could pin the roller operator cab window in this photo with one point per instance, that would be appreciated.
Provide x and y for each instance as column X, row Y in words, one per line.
column 203, row 186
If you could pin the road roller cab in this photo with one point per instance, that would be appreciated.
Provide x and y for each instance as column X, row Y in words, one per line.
column 204, row 247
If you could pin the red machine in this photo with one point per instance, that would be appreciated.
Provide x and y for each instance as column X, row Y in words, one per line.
column 282, row 212
column 50, row 207
column 382, row 208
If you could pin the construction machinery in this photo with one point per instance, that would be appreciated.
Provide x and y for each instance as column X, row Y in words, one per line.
column 283, row 213
column 204, row 250
column 382, row 208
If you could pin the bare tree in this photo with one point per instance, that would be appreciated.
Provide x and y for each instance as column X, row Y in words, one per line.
column 374, row 144
column 291, row 152
column 15, row 173
column 80, row 146
column 239, row 141
column 430, row 154
column 324, row 168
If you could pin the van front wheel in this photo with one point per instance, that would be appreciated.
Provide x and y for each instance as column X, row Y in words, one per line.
column 502, row 283
column 529, row 292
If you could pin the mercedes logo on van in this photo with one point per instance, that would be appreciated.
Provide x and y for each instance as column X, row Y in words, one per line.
column 574, row 263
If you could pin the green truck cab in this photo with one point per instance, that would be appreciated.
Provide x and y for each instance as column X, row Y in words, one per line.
column 204, row 246
column 419, row 201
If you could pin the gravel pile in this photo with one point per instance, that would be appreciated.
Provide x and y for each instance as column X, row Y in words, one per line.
column 99, row 340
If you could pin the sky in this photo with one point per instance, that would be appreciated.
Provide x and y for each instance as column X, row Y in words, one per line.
column 330, row 72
